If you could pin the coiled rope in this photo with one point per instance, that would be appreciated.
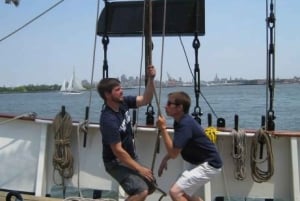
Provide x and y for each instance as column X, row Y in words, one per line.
column 17, row 196
column 62, row 157
column 239, row 152
column 261, row 137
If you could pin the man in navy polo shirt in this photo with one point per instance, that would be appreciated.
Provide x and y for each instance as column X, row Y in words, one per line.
column 191, row 142
column 119, row 156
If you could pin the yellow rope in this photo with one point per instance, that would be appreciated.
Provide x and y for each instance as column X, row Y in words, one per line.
column 211, row 133
column 62, row 157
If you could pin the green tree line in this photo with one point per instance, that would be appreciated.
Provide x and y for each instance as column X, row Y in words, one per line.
column 40, row 88
column 30, row 88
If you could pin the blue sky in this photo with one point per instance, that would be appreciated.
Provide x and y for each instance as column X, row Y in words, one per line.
column 46, row 51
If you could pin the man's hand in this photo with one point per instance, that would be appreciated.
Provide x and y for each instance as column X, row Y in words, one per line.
column 161, row 122
column 147, row 173
column 163, row 166
column 151, row 72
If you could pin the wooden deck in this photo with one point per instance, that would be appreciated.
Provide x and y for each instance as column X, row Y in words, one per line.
column 28, row 197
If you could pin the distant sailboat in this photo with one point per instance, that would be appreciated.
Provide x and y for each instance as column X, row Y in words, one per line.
column 74, row 86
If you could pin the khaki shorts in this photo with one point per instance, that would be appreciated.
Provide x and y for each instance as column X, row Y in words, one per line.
column 131, row 182
column 192, row 180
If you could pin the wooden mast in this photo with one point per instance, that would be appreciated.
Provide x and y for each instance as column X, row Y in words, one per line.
column 148, row 61
column 148, row 53
column 148, row 34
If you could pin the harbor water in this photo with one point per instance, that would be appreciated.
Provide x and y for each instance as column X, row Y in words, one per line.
column 249, row 102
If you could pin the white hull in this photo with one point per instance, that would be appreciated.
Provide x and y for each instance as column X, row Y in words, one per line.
column 72, row 92
column 27, row 147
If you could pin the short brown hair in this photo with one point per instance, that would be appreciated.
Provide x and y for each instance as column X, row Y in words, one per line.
column 181, row 98
column 107, row 85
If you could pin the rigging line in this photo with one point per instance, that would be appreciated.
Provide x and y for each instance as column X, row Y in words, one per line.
column 215, row 114
column 140, row 74
column 270, row 62
column 155, row 94
column 90, row 97
column 158, row 103
column 148, row 54
column 141, row 64
column 142, row 47
column 78, row 161
column 267, row 63
column 180, row 39
column 157, row 98
column 30, row 21
column 162, row 54
column 94, row 53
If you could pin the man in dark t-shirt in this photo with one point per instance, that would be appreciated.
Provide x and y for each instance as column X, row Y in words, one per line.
column 191, row 142
column 119, row 156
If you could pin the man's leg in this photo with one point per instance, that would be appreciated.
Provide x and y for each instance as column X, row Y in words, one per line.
column 177, row 194
column 138, row 197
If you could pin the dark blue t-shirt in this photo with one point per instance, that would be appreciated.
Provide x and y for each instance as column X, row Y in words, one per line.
column 116, row 127
column 196, row 146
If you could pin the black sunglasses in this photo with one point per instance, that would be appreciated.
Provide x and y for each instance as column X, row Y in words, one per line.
column 171, row 103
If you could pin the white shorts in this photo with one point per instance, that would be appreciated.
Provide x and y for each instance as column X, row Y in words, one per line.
column 191, row 180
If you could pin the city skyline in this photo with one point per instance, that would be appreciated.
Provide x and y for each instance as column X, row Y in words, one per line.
column 135, row 81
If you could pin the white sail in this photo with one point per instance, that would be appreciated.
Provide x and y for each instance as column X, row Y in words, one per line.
column 64, row 86
column 74, row 86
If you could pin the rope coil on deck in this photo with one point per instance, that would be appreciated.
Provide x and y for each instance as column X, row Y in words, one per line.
column 261, row 138
column 62, row 157
column 239, row 152
column 13, row 194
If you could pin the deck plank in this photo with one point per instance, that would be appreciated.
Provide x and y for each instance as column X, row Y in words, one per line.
column 29, row 197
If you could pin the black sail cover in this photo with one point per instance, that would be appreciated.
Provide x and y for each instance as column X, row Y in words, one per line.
column 125, row 18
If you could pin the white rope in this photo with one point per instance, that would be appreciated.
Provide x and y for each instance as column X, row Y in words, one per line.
column 239, row 152
column 259, row 175
column 29, row 114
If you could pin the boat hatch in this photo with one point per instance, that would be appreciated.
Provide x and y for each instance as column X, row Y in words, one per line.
column 125, row 18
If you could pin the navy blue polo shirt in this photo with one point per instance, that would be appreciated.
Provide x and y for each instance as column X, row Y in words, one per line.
column 116, row 127
column 196, row 146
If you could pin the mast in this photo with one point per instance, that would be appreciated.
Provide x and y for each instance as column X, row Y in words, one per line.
column 148, row 34
column 148, row 54
column 148, row 61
